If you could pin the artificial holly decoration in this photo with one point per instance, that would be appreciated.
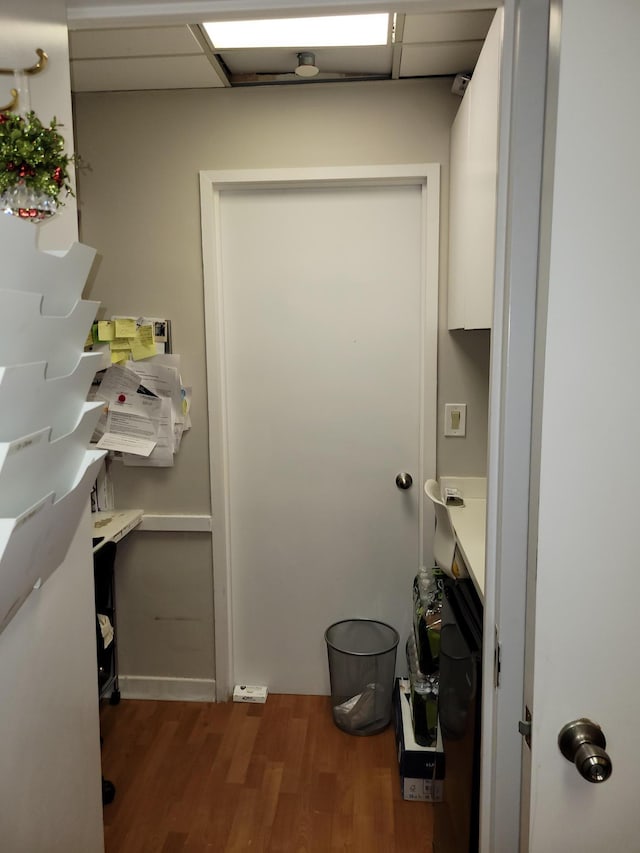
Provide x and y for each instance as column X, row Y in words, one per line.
column 32, row 154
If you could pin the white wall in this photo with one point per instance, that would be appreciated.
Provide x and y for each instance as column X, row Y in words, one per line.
column 463, row 377
column 50, row 791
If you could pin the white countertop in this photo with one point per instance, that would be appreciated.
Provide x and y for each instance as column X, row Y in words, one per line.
column 469, row 523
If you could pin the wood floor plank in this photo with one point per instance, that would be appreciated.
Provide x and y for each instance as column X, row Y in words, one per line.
column 293, row 777
column 174, row 842
column 245, row 832
column 273, row 778
column 270, row 794
column 241, row 758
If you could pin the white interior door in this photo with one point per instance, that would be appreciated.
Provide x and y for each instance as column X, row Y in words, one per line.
column 322, row 291
column 586, row 659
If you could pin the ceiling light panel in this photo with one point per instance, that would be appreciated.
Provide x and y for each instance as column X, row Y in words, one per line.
column 327, row 31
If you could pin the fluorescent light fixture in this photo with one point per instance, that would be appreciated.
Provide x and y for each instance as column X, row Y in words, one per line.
column 328, row 31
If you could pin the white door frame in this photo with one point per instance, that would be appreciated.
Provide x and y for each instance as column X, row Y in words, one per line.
column 212, row 184
column 511, row 496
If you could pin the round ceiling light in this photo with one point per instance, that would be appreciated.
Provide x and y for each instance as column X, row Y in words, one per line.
column 307, row 65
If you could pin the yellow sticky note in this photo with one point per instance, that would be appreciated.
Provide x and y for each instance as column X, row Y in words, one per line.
column 118, row 356
column 106, row 330
column 142, row 346
column 125, row 327
column 145, row 335
column 89, row 341
column 119, row 344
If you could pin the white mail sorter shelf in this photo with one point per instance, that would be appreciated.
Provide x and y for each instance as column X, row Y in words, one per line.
column 57, row 403
column 58, row 279
column 33, row 545
column 46, row 466
column 28, row 335
column 32, row 465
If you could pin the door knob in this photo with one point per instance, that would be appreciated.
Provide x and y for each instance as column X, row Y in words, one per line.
column 404, row 480
column 584, row 743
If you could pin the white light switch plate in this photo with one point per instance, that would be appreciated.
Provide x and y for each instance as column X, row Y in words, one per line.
column 455, row 419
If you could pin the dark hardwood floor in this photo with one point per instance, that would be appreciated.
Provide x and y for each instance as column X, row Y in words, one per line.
column 194, row 777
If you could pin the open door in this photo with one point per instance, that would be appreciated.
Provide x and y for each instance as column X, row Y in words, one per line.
column 585, row 660
column 581, row 658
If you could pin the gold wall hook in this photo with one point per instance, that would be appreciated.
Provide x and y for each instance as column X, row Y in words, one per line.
column 40, row 65
column 13, row 103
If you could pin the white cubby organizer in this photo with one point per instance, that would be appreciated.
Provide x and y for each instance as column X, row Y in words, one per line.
column 46, row 468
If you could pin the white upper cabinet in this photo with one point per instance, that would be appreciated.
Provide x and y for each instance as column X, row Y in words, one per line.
column 472, row 191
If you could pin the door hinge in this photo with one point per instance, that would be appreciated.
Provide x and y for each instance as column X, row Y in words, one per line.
column 524, row 727
column 497, row 663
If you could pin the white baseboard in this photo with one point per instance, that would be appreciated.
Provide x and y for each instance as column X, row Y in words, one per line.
column 178, row 689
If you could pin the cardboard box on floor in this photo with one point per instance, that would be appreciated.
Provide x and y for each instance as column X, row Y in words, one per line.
column 421, row 767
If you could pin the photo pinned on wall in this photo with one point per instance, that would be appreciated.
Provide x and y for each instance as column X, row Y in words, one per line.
column 161, row 330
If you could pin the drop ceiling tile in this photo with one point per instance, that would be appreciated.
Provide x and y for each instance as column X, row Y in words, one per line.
column 138, row 41
column 137, row 73
column 447, row 26
column 422, row 60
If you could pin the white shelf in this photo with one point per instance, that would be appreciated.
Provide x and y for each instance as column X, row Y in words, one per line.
column 57, row 279
column 28, row 335
column 55, row 403
column 46, row 468
column 34, row 544
column 31, row 465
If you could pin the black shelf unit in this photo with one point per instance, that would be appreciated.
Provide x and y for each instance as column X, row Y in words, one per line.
column 104, row 585
column 456, row 818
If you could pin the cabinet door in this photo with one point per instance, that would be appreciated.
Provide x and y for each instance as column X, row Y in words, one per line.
column 460, row 222
column 472, row 195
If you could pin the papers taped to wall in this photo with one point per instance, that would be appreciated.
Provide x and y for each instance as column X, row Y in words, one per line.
column 146, row 410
